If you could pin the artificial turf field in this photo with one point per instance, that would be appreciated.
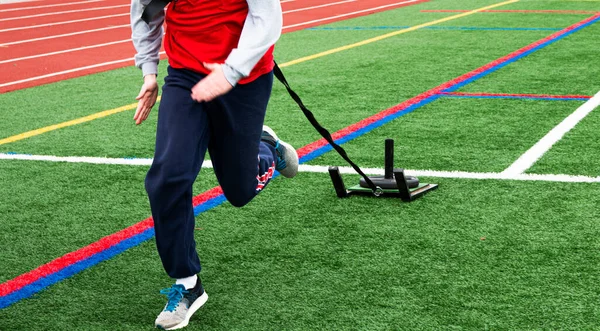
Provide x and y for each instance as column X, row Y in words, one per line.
column 475, row 254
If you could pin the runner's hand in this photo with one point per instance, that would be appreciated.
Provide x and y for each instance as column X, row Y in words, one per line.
column 213, row 85
column 146, row 99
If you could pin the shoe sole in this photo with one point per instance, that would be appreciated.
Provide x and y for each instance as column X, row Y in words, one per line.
column 195, row 306
column 291, row 168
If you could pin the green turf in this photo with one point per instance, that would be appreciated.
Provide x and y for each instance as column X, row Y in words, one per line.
column 54, row 208
column 556, row 5
column 32, row 108
column 453, row 134
column 472, row 255
column 373, row 78
column 577, row 152
column 505, row 260
column 562, row 68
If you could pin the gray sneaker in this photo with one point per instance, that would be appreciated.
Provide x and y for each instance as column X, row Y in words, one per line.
column 181, row 306
column 287, row 158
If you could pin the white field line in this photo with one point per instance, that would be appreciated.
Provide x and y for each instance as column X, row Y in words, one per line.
column 318, row 169
column 462, row 174
column 541, row 147
column 348, row 14
column 62, row 12
column 68, row 71
column 65, row 51
column 64, row 22
column 77, row 159
column 64, row 35
column 319, row 6
column 48, row 6
column 284, row 1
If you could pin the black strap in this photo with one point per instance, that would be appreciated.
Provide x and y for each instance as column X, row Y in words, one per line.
column 153, row 8
column 311, row 118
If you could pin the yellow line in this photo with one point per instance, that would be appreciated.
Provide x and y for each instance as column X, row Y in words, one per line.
column 392, row 34
column 105, row 113
column 80, row 120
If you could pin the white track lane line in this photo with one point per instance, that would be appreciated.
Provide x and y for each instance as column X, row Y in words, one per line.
column 69, row 71
column 541, row 147
column 65, row 51
column 62, row 12
column 64, row 22
column 127, row 25
column 317, row 7
column 48, row 6
column 124, row 60
column 318, row 169
column 64, row 35
column 115, row 42
column 348, row 14
column 127, row 14
column 5, row 2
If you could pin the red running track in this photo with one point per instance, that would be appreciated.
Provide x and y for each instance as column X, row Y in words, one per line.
column 52, row 40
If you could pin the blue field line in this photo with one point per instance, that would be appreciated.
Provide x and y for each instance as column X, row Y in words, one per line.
column 71, row 270
column 209, row 204
column 510, row 97
column 75, row 268
column 91, row 261
column 467, row 28
column 520, row 56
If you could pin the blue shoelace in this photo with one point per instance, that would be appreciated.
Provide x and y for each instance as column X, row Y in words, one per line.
column 280, row 161
column 174, row 295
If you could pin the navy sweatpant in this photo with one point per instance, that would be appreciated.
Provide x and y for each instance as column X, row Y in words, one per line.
column 230, row 128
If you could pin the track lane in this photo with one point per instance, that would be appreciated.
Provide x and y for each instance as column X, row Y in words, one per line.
column 32, row 72
column 54, row 19
column 42, row 8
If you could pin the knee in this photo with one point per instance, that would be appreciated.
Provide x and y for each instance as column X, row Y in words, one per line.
column 162, row 184
column 154, row 184
column 237, row 199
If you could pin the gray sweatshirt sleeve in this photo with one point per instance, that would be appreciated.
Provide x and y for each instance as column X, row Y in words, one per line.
column 147, row 38
column 261, row 30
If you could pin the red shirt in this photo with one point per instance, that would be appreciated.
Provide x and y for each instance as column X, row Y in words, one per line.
column 207, row 31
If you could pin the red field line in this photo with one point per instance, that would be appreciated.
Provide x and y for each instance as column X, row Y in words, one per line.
column 94, row 248
column 70, row 258
column 33, row 70
column 523, row 11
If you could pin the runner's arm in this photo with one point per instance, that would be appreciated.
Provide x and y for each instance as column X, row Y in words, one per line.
column 147, row 38
column 261, row 30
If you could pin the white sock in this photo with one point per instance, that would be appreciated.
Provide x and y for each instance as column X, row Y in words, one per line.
column 188, row 282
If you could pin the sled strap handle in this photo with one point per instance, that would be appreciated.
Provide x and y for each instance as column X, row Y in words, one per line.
column 311, row 118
